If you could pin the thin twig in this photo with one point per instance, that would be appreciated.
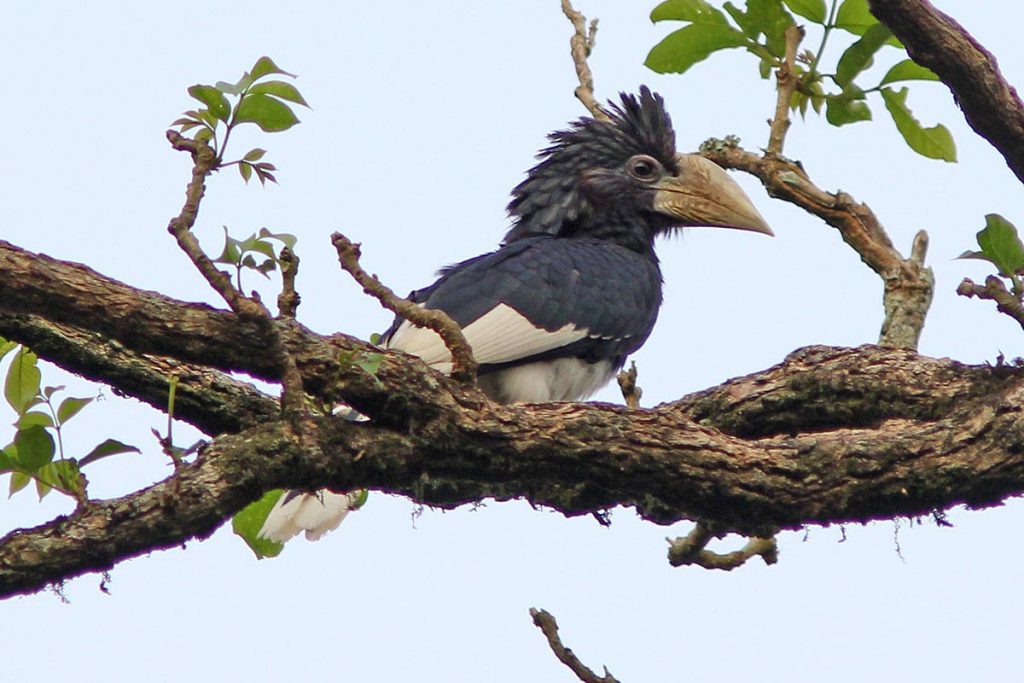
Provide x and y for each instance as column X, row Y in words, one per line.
column 787, row 81
column 908, row 283
column 631, row 393
column 204, row 160
column 692, row 550
column 580, row 46
column 288, row 300
column 547, row 624
column 994, row 290
column 463, row 365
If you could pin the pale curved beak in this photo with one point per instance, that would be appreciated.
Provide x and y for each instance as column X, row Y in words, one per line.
column 704, row 194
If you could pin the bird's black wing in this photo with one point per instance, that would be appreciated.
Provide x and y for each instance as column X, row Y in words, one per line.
column 540, row 298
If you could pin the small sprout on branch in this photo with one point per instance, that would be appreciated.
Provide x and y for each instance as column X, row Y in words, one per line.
column 37, row 452
column 256, row 252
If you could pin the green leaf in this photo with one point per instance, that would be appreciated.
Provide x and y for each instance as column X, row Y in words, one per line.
column 70, row 407
column 214, row 100
column 231, row 253
column 254, row 154
column 808, row 9
column 764, row 17
column 935, row 142
column 855, row 17
column 840, row 110
column 246, row 171
column 860, row 55
column 204, row 134
column 265, row 66
column 285, row 238
column 236, row 88
column 6, row 347
column 286, row 91
column 908, row 70
column 681, row 49
column 48, row 392
column 62, row 475
column 107, row 448
column 697, row 11
column 35, row 448
column 34, row 418
column 7, row 458
column 248, row 522
column 23, row 379
column 1000, row 245
column 270, row 115
column 19, row 480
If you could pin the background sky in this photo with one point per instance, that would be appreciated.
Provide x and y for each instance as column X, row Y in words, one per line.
column 424, row 116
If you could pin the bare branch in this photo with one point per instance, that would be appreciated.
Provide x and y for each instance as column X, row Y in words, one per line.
column 463, row 365
column 580, row 46
column 786, row 85
column 692, row 549
column 543, row 620
column 908, row 283
column 994, row 290
column 288, row 300
column 935, row 40
column 204, row 160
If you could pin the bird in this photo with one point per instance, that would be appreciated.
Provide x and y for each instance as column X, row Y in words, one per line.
column 575, row 285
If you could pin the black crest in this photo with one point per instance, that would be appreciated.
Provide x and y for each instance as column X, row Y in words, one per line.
column 549, row 198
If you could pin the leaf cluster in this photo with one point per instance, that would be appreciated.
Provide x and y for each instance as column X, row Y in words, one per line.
column 256, row 252
column 38, row 438
column 839, row 89
column 264, row 103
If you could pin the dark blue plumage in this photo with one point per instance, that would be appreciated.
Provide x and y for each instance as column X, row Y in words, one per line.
column 577, row 278
column 575, row 286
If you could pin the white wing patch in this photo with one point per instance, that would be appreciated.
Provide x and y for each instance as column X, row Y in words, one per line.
column 502, row 334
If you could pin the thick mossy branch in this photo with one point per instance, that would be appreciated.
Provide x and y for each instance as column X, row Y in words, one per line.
column 829, row 435
column 935, row 40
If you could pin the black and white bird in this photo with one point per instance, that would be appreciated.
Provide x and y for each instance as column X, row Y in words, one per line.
column 575, row 286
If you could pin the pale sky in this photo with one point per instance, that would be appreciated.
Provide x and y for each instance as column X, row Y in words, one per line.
column 424, row 116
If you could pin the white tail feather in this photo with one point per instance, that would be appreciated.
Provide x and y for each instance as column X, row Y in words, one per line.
column 314, row 513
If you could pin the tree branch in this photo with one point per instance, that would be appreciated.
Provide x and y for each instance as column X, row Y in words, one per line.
column 909, row 435
column 935, row 40
column 692, row 549
column 580, row 46
column 544, row 620
column 786, row 85
column 994, row 290
column 209, row 400
column 463, row 365
column 908, row 283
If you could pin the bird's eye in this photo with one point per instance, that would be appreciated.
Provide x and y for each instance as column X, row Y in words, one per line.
column 643, row 167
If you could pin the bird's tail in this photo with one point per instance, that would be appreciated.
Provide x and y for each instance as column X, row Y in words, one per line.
column 315, row 513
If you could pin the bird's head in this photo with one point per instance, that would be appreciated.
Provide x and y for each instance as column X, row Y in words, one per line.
column 622, row 180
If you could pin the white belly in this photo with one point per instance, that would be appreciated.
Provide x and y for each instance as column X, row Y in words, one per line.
column 562, row 379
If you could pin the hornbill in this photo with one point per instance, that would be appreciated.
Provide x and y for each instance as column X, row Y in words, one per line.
column 575, row 286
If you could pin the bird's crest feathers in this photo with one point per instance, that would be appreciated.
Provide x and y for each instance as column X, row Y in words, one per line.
column 549, row 199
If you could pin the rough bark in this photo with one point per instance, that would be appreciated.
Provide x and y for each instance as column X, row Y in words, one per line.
column 935, row 40
column 830, row 435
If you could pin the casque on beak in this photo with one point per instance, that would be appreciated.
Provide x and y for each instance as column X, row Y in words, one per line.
column 704, row 194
